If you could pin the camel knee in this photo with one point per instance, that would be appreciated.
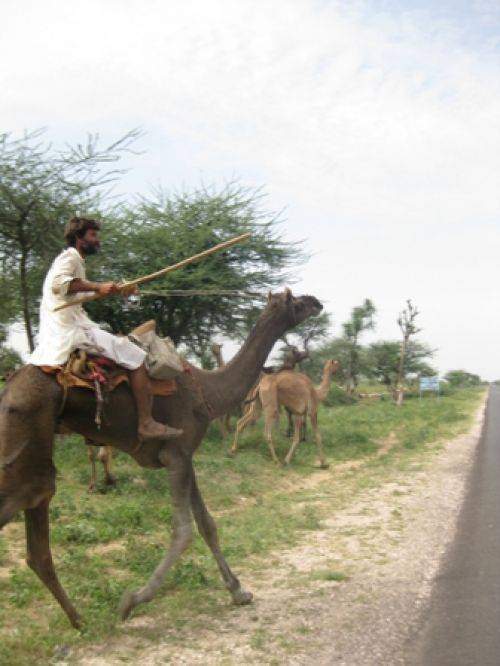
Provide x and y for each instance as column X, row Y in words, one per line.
column 43, row 566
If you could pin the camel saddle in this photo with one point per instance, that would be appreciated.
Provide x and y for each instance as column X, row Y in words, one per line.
column 98, row 373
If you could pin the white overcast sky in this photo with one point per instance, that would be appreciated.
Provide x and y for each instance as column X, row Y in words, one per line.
column 376, row 124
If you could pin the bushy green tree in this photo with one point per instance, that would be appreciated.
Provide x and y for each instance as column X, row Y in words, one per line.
column 40, row 188
column 338, row 349
column 362, row 319
column 9, row 359
column 382, row 361
column 462, row 378
column 164, row 229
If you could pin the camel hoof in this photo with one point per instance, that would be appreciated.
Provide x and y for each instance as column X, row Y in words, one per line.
column 231, row 453
column 91, row 488
column 110, row 480
column 242, row 598
column 127, row 605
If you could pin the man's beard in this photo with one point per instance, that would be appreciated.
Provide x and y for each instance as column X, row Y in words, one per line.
column 90, row 248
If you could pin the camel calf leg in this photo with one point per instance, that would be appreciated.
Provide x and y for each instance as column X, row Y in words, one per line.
column 249, row 417
column 319, row 442
column 91, row 450
column 40, row 559
column 268, row 431
column 104, row 454
column 208, row 530
column 296, row 438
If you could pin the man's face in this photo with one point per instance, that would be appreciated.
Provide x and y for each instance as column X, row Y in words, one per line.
column 89, row 243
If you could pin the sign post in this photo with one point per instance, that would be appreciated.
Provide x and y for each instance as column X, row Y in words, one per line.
column 429, row 384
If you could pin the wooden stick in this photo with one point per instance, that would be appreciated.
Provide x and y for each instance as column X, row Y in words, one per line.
column 168, row 293
column 163, row 271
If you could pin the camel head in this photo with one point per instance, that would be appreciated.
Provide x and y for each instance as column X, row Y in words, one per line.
column 294, row 309
column 332, row 366
column 216, row 348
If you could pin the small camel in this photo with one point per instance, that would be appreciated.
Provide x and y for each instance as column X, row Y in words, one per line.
column 32, row 405
column 296, row 392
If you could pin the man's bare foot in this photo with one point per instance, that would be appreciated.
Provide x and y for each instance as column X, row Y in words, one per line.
column 154, row 430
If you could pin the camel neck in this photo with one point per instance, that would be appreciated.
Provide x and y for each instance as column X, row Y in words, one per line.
column 227, row 387
column 323, row 388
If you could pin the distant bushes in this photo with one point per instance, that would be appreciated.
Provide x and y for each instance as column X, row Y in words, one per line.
column 337, row 396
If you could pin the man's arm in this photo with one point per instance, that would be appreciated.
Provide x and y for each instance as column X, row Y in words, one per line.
column 102, row 288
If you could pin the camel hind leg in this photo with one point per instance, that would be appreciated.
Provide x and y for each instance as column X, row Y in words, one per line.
column 298, row 420
column 40, row 558
column 27, row 475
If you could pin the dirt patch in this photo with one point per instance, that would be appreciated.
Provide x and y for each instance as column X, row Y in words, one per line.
column 16, row 551
column 348, row 593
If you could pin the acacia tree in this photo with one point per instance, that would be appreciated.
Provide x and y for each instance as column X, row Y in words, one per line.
column 383, row 361
column 297, row 348
column 163, row 229
column 407, row 324
column 461, row 378
column 9, row 359
column 40, row 188
column 361, row 320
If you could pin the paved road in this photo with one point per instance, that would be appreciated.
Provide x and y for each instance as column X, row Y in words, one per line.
column 462, row 625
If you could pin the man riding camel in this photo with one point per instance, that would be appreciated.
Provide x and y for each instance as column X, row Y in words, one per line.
column 65, row 330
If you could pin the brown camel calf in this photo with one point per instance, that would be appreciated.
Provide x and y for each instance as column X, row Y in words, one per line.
column 296, row 392
column 104, row 454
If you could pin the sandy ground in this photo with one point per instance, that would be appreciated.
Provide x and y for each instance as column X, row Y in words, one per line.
column 352, row 592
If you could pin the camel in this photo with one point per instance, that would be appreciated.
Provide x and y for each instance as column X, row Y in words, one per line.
column 296, row 392
column 33, row 403
column 252, row 409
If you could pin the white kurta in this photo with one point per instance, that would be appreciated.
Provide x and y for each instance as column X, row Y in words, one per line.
column 64, row 331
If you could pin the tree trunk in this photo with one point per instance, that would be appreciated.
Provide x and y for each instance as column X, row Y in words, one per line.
column 399, row 393
column 25, row 301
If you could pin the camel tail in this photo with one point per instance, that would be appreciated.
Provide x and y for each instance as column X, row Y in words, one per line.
column 249, row 401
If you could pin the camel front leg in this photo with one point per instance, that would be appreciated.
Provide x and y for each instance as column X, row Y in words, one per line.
column 289, row 429
column 40, row 558
column 180, row 477
column 296, row 438
column 208, row 530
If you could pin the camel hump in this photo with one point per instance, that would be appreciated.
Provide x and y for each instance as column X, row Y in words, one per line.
column 148, row 326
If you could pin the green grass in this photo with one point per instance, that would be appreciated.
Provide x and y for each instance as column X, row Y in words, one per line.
column 112, row 540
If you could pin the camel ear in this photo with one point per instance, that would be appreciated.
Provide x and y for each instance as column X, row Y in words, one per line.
column 288, row 295
column 269, row 296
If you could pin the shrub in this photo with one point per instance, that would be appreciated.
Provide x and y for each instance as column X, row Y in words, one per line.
column 337, row 396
